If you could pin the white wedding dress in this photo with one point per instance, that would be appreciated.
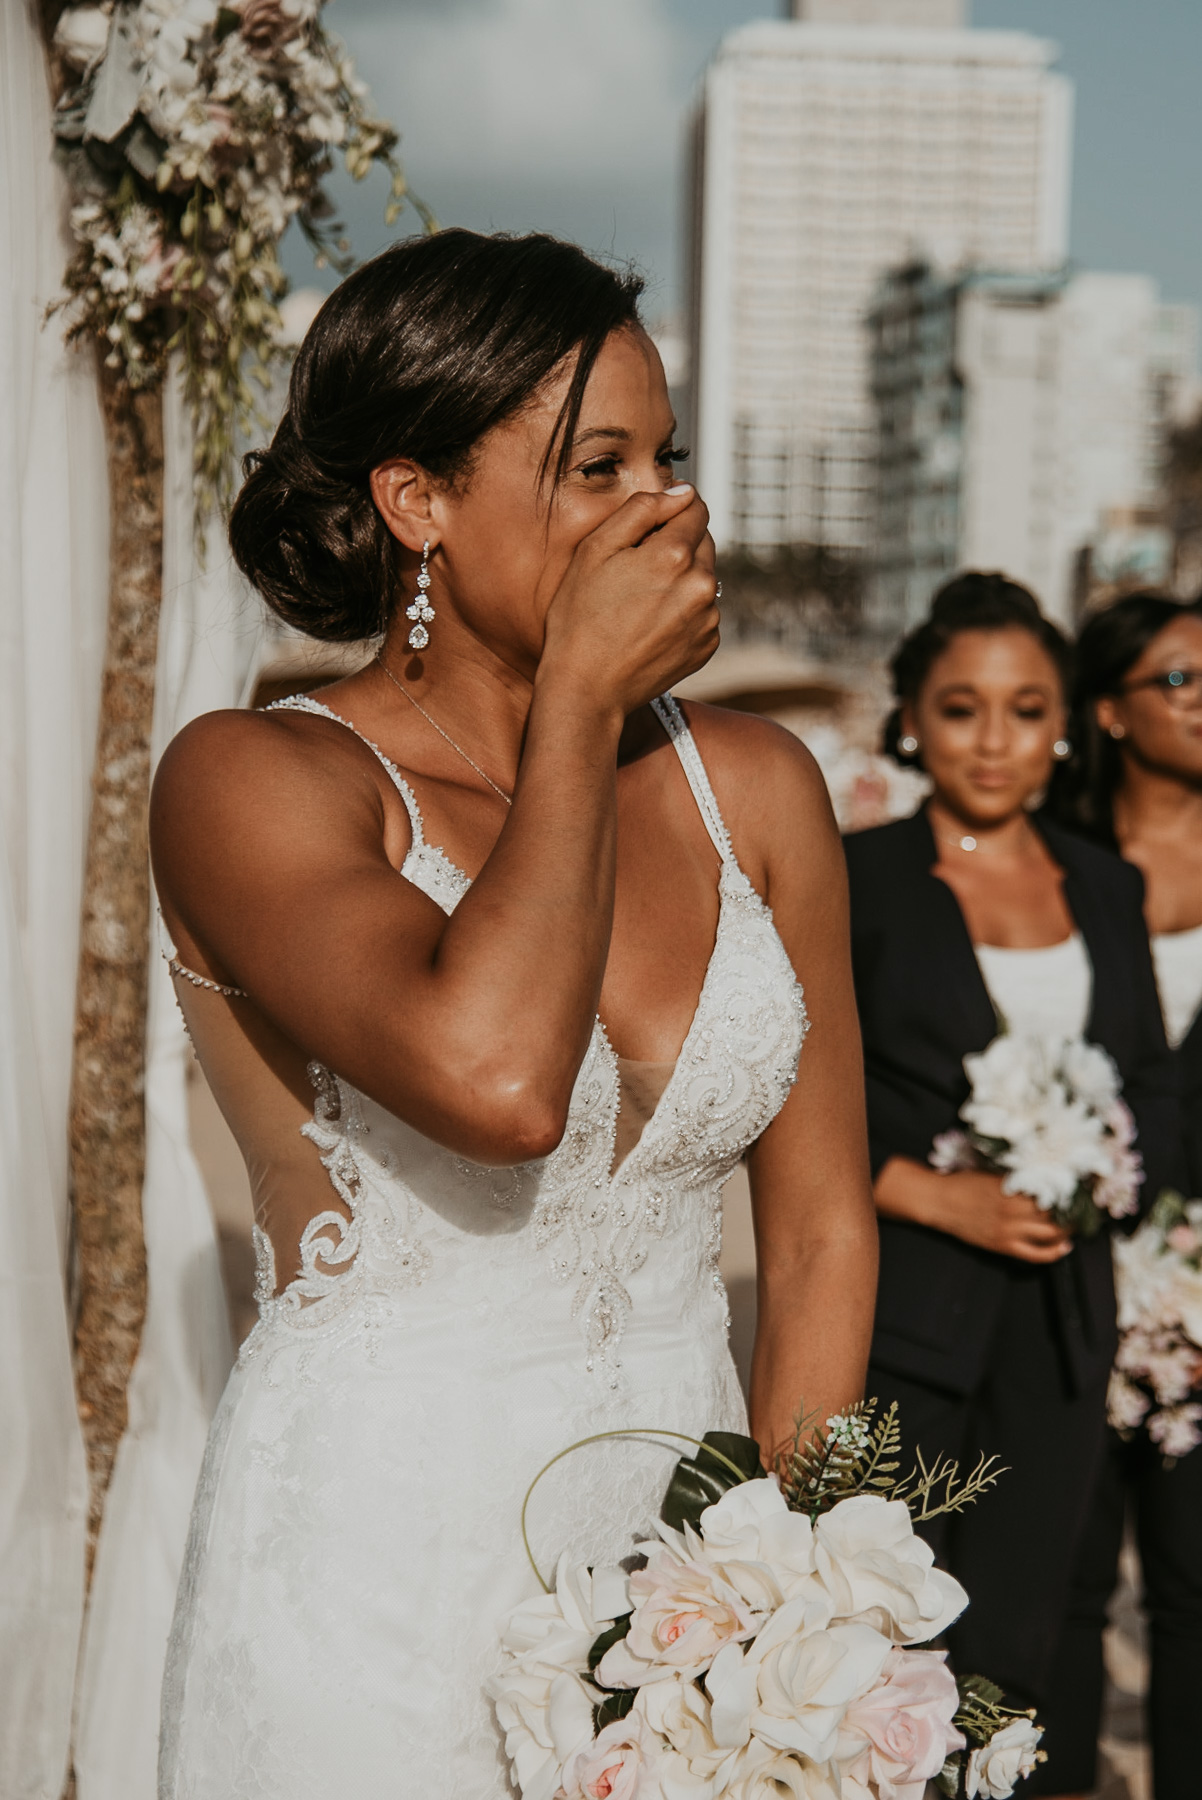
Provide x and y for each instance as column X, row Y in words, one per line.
column 356, row 1534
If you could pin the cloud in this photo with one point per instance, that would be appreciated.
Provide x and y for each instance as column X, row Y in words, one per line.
column 530, row 91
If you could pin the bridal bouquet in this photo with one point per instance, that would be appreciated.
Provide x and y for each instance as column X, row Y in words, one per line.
column 1158, row 1274
column 1048, row 1116
column 764, row 1646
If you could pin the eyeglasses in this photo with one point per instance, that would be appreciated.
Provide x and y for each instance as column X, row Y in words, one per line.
column 1182, row 688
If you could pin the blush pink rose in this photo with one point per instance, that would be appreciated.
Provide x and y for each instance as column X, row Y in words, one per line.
column 618, row 1765
column 903, row 1726
column 683, row 1613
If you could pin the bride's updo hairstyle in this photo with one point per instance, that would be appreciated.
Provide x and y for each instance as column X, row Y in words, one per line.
column 418, row 353
column 970, row 602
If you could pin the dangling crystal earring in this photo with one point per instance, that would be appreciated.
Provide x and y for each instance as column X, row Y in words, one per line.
column 420, row 611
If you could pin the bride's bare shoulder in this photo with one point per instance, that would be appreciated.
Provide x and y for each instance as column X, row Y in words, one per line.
column 754, row 764
column 246, row 746
column 258, row 774
column 772, row 795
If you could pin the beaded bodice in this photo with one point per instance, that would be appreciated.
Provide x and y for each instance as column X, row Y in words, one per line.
column 417, row 1222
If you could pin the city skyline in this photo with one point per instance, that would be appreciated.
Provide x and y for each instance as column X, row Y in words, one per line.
column 526, row 114
column 825, row 154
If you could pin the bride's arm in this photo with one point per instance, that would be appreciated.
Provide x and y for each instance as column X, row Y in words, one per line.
column 268, row 833
column 815, row 1226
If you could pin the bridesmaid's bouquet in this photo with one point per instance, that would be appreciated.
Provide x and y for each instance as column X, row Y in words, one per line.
column 763, row 1644
column 1048, row 1115
column 1158, row 1274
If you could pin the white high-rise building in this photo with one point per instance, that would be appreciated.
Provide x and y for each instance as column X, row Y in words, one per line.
column 828, row 149
column 1022, row 426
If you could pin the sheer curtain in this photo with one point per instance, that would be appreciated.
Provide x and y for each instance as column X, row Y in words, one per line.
column 53, row 591
column 53, row 603
column 209, row 640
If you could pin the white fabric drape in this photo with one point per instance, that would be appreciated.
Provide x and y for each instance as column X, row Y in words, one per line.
column 209, row 634
column 53, row 590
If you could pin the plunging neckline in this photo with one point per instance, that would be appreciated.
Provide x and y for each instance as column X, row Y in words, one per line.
column 600, row 1036
column 730, row 875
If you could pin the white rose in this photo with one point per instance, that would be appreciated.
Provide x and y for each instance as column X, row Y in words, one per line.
column 620, row 1764
column 1008, row 1757
column 761, row 1773
column 683, row 1611
column 81, row 36
column 562, row 1626
column 680, row 1713
column 547, row 1716
column 804, row 1684
column 543, row 1702
column 877, row 1571
column 764, row 1550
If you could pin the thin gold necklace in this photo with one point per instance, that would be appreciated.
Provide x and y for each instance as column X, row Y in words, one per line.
column 445, row 735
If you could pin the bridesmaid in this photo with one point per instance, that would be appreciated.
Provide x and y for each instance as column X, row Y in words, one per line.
column 994, row 1331
column 1135, row 784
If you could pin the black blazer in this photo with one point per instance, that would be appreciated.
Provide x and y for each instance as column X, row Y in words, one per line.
column 923, row 1006
column 1189, row 1064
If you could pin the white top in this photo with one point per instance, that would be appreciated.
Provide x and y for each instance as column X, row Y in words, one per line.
column 1040, row 993
column 1177, row 956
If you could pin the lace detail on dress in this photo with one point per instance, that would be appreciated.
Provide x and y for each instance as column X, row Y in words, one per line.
column 361, row 1256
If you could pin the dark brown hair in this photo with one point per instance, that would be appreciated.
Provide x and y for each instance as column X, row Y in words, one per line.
column 419, row 353
column 973, row 601
column 1108, row 645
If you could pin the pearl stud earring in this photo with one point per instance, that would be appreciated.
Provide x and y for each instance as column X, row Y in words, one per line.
column 1118, row 731
column 1061, row 748
column 908, row 745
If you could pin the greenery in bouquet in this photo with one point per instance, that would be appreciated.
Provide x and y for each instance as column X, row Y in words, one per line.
column 764, row 1643
column 193, row 133
column 1158, row 1275
column 1048, row 1116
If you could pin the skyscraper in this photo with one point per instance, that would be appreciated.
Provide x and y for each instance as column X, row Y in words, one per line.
column 1022, row 423
column 829, row 148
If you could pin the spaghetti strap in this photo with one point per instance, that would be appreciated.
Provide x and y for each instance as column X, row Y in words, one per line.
column 668, row 712
column 304, row 703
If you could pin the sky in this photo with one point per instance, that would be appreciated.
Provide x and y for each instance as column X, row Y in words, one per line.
column 569, row 116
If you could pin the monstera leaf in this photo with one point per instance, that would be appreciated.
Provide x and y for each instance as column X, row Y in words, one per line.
column 697, row 1481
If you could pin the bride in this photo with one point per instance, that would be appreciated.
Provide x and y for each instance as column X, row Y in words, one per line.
column 476, row 951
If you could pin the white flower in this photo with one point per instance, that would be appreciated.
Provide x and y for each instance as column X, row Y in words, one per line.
column 1090, row 1073
column 1126, row 1405
column 1008, row 1758
column 1008, row 1078
column 543, row 1702
column 791, row 1688
column 950, row 1152
column 561, row 1627
column 1176, row 1429
column 1063, row 1143
column 547, row 1716
column 876, row 1570
column 764, row 1550
column 680, row 1712
column 761, row 1773
column 683, row 1613
column 81, row 35
column 620, row 1764
column 898, row 1737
